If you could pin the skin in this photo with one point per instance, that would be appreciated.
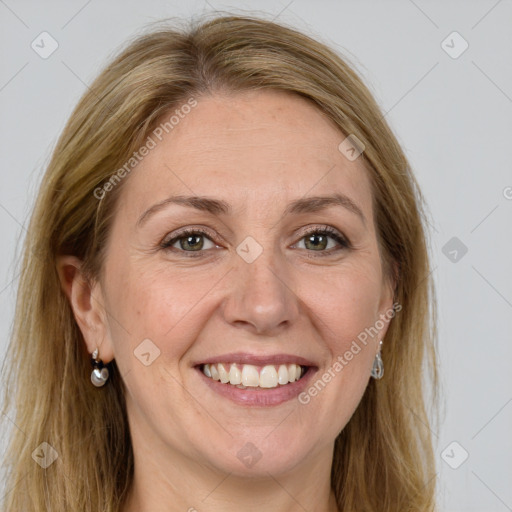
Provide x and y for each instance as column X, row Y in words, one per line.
column 257, row 151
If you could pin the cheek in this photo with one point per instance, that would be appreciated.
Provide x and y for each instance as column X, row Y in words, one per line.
column 345, row 307
column 157, row 318
column 346, row 304
column 166, row 309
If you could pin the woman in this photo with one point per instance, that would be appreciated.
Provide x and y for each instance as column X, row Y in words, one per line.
column 226, row 252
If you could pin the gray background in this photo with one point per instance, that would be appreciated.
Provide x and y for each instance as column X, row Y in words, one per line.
column 453, row 117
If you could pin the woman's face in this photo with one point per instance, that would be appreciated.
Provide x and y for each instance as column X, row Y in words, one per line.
column 258, row 283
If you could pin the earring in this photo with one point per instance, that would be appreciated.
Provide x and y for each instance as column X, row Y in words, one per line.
column 378, row 365
column 99, row 373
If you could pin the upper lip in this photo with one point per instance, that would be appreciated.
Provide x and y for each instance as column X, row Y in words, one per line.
column 257, row 360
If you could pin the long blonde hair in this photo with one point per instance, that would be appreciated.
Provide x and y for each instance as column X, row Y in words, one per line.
column 384, row 457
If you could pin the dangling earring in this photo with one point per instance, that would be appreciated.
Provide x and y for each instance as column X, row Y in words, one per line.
column 99, row 373
column 378, row 365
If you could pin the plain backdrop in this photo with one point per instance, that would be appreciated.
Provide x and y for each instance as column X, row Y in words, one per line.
column 448, row 98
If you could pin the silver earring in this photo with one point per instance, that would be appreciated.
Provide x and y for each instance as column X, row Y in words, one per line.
column 99, row 373
column 378, row 365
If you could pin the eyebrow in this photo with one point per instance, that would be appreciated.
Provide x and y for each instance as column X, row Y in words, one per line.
column 214, row 206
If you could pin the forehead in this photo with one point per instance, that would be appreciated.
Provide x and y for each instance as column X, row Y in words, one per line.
column 259, row 145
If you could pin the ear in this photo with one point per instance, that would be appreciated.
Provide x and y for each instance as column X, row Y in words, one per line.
column 386, row 304
column 86, row 300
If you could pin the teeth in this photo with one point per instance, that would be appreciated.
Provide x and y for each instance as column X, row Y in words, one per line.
column 224, row 375
column 292, row 372
column 215, row 373
column 250, row 376
column 268, row 377
column 235, row 375
column 283, row 374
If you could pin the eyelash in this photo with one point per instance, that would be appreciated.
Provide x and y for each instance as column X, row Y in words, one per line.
column 325, row 230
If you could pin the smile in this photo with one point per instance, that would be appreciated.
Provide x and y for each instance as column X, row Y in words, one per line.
column 246, row 376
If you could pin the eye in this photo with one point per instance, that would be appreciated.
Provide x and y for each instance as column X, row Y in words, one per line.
column 324, row 240
column 189, row 240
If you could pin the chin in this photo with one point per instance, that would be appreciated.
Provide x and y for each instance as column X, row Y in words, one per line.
column 259, row 457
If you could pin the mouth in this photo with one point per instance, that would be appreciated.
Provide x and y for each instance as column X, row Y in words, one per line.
column 248, row 376
column 257, row 381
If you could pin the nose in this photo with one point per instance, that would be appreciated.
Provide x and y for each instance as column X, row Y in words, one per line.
column 261, row 297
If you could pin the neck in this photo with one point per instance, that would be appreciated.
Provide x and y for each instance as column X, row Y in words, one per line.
column 230, row 494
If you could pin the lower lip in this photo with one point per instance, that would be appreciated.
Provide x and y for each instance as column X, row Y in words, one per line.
column 260, row 397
